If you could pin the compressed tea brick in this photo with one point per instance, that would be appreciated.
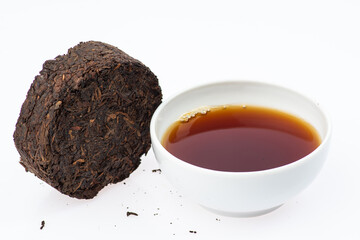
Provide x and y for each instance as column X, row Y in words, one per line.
column 85, row 121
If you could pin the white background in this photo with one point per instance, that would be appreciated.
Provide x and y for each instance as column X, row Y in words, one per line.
column 309, row 46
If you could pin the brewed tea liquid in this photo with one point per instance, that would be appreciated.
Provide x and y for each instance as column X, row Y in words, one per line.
column 241, row 139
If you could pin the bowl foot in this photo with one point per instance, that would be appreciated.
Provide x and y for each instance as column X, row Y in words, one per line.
column 242, row 214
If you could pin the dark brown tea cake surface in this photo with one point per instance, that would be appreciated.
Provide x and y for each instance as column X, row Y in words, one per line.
column 85, row 120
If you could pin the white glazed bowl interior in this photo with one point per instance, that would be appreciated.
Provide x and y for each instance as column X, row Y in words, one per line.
column 240, row 193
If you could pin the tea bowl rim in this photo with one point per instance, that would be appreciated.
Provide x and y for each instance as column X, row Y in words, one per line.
column 156, row 140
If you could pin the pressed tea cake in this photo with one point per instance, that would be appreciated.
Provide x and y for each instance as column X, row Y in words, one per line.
column 85, row 120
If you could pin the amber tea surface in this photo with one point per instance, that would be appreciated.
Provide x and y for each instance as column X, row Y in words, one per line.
column 240, row 138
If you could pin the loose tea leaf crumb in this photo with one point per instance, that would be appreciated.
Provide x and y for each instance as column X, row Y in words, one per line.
column 157, row 170
column 131, row 213
column 191, row 231
column 42, row 224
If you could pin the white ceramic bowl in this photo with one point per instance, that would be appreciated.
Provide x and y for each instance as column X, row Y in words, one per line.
column 240, row 193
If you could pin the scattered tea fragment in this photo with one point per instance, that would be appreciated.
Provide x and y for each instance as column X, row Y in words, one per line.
column 85, row 120
column 191, row 231
column 42, row 224
column 131, row 213
column 157, row 170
